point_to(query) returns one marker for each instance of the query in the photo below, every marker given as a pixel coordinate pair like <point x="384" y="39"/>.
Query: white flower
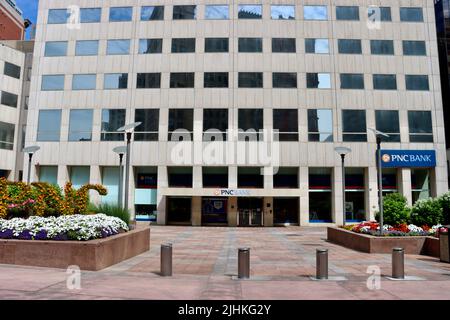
<point x="414" y="228"/>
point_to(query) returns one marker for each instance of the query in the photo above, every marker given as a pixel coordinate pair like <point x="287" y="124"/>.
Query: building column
<point x="232" y="177"/>
<point x="196" y="211"/>
<point x="404" y="184"/>
<point x="161" y="217"/>
<point x="268" y="211"/>
<point x="371" y="193"/>
<point x="95" y="177"/>
<point x="62" y="175"/>
<point x="337" y="196"/>
<point x="232" y="211"/>
<point x="303" y="176"/>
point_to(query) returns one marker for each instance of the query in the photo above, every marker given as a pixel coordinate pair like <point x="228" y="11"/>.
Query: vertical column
<point x="197" y="177"/>
<point x="404" y="184"/>
<point x="232" y="212"/>
<point x="131" y="188"/>
<point x="196" y="211"/>
<point x="303" y="176"/>
<point x="268" y="211"/>
<point x="371" y="192"/>
<point x="63" y="175"/>
<point x="232" y="177"/>
<point x="337" y="196"/>
<point x="160" y="198"/>
<point x="95" y="177"/>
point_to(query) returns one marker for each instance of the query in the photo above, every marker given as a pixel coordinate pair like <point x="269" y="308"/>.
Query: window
<point x="84" y="81"/>
<point x="52" y="82"/>
<point x="384" y="47"/>
<point x="112" y="119"/>
<point x="420" y="126"/>
<point x="249" y="11"/>
<point x="250" y="80"/>
<point x="352" y="80"/>
<point x="9" y="99"/>
<point x="48" y="174"/>
<point x="214" y="177"/>
<point x="284" y="80"/>
<point x="286" y="122"/>
<point x="80" y="125"/>
<point x="183" y="45"/>
<point x="414" y="48"/>
<point x="183" y="120"/>
<point x="215" y="124"/>
<point x="317" y="46"/>
<point x="420" y="184"/>
<point x="282" y="12"/>
<point x="349" y="46"/>
<point x="250" y="177"/>
<point x="320" y="125"/>
<point x="354" y="125"/>
<point x="347" y="13"/>
<point x="411" y="14"/>
<point x="55" y="49"/>
<point x="182" y="80"/>
<point x="355" y="209"/>
<point x="148" y="46"/>
<point x="86" y="48"/>
<point x="119" y="14"/>
<point x="286" y="177"/>
<point x="49" y="125"/>
<point x="216" y="44"/>
<point x="90" y="15"/>
<point x="184" y="12"/>
<point x="283" y="45"/>
<point x="11" y="70"/>
<point x="315" y="13"/>
<point x="286" y="210"/>
<point x="116" y="81"/>
<point x="148" y="130"/>
<point x="152" y="13"/>
<point x="320" y="195"/>
<point x="6" y="136"/>
<point x="216" y="80"/>
<point x="250" y="45"/>
<point x="384" y="82"/>
<point x="318" y="80"/>
<point x="216" y="12"/>
<point x="148" y="80"/>
<point x="384" y="12"/>
<point x="179" y="177"/>
<point x="58" y="16"/>
<point x="250" y="123"/>
<point x="417" y="82"/>
<point x="387" y="121"/>
<point x="118" y="47"/>
<point x="79" y="176"/>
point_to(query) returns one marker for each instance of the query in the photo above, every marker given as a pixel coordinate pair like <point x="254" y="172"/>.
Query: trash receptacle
<point x="443" y="244"/>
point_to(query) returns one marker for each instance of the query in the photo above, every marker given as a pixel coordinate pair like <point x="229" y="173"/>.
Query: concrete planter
<point x="444" y="247"/>
<point x="88" y="255"/>
<point x="371" y="244"/>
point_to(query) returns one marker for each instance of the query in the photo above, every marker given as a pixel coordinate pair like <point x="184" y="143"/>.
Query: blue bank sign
<point x="408" y="158"/>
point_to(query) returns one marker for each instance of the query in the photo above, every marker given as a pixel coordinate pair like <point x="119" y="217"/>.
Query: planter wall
<point x="88" y="255"/>
<point x="372" y="244"/>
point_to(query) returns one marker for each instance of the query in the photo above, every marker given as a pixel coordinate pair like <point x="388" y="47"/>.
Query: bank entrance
<point x="250" y="212"/>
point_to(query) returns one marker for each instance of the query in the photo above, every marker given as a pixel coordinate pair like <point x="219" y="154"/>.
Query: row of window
<point x="250" y="122"/>
<point x="222" y="12"/>
<point x="214" y="45"/>
<point x="221" y="80"/>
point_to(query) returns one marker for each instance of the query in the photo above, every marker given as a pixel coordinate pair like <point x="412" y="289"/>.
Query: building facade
<point x="12" y="24"/>
<point x="310" y="75"/>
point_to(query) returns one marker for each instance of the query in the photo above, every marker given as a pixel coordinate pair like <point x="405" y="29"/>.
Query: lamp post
<point x="379" y="135"/>
<point x="128" y="129"/>
<point x="120" y="151"/>
<point x="30" y="150"/>
<point x="342" y="151"/>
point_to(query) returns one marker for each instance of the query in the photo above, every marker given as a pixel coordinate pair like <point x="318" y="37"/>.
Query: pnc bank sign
<point x="408" y="158"/>
<point x="232" y="192"/>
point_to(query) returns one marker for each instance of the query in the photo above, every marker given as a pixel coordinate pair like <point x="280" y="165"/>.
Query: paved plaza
<point x="205" y="267"/>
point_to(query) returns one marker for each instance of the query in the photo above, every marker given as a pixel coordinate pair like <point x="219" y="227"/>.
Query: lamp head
<point x="120" y="149"/>
<point x="129" y="127"/>
<point x="342" y="150"/>
<point x="378" y="132"/>
<point x="31" y="149"/>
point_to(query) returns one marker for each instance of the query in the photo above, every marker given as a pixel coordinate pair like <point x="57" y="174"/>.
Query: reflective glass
<point x="112" y="119"/>
<point x="411" y="14"/>
<point x="86" y="48"/>
<point x="115" y="47"/>
<point x="414" y="48"/>
<point x="249" y="11"/>
<point x="58" y="16"/>
<point x="282" y="12"/>
<point x="216" y="12"/>
<point x="55" y="48"/>
<point x="119" y="14"/>
<point x="116" y="81"/>
<point x="315" y="13"/>
<point x="49" y="125"/>
<point x="352" y="80"/>
<point x="417" y="82"/>
<point x="320" y="125"/>
<point x="318" y="80"/>
<point x="52" y="82"/>
<point x="184" y="12"/>
<point x="147" y="46"/>
<point x="152" y="13"/>
<point x="90" y="15"/>
<point x="6" y="135"/>
<point x="384" y="47"/>
<point x="317" y="46"/>
<point x="216" y="44"/>
<point x="84" y="81"/>
<point x="80" y="125"/>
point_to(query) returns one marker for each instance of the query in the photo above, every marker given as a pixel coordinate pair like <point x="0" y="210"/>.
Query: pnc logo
<point x="386" y="158"/>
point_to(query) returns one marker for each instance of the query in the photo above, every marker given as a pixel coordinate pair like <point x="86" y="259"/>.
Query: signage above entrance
<point x="408" y="158"/>
<point x="232" y="192"/>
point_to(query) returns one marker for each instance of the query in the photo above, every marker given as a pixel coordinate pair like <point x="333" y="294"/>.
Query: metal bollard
<point x="244" y="263"/>
<point x="321" y="263"/>
<point x="166" y="260"/>
<point x="398" y="263"/>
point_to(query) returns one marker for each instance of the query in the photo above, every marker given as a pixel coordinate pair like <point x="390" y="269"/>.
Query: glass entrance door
<point x="250" y="212"/>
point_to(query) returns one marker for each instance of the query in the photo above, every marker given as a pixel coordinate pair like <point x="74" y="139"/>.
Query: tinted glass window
<point x="90" y="15"/>
<point x="112" y="119"/>
<point x="379" y="13"/>
<point x="118" y="14"/>
<point x="116" y="81"/>
<point x="216" y="80"/>
<point x="80" y="125"/>
<point x="216" y="12"/>
<point x="349" y="46"/>
<point x="318" y="80"/>
<point x="315" y="13"/>
<point x="148" y="80"/>
<point x="282" y="12"/>
<point x="216" y="44"/>
<point x="284" y="80"/>
<point x="86" y="48"/>
<point x="148" y="130"/>
<point x="411" y="14"/>
<point x="250" y="80"/>
<point x="250" y="44"/>
<point x="250" y="123"/>
<point x="382" y="47"/>
<point x="354" y="125"/>
<point x="387" y="121"/>
<point x="9" y="99"/>
<point x="286" y="122"/>
<point x="183" y="45"/>
<point x="320" y="125"/>
<point x="215" y="124"/>
<point x="250" y="11"/>
<point x="384" y="82"/>
<point x="283" y="45"/>
<point x="414" y="48"/>
<point x="184" y="12"/>
<point x="417" y="82"/>
<point x="57" y="16"/>
<point x="11" y="70"/>
<point x="317" y="46"/>
<point x="118" y="47"/>
<point x="182" y="80"/>
<point x="52" y="82"/>
<point x="152" y="13"/>
<point x="6" y="136"/>
<point x="420" y="126"/>
<point x="352" y="80"/>
<point x="147" y="46"/>
<point x="49" y="125"/>
<point x="180" y="119"/>
<point x="347" y="13"/>
<point x="84" y="81"/>
<point x="55" y="48"/>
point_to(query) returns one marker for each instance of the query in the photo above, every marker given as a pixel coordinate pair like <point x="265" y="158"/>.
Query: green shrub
<point x="445" y="204"/>
<point x="111" y="210"/>
<point x="395" y="209"/>
<point x="427" y="212"/>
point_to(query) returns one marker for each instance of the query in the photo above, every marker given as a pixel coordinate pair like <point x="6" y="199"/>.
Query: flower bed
<point x="74" y="227"/>
<point x="401" y="230"/>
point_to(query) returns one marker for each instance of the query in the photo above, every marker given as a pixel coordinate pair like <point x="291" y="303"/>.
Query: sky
<point x="29" y="8"/>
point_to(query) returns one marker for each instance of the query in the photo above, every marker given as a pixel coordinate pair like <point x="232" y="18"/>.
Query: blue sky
<point x="29" y="8"/>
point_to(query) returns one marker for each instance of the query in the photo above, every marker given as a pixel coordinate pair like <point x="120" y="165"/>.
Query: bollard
<point x="244" y="263"/>
<point x="398" y="263"/>
<point x="166" y="260"/>
<point x="321" y="263"/>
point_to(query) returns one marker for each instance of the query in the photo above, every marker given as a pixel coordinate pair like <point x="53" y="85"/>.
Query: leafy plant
<point x="445" y="204"/>
<point x="395" y="209"/>
<point x="427" y="212"/>
<point x="112" y="211"/>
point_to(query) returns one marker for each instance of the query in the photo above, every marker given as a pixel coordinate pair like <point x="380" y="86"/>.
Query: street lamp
<point x="379" y="135"/>
<point x="342" y="151"/>
<point x="120" y="151"/>
<point x="128" y="129"/>
<point x="30" y="150"/>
